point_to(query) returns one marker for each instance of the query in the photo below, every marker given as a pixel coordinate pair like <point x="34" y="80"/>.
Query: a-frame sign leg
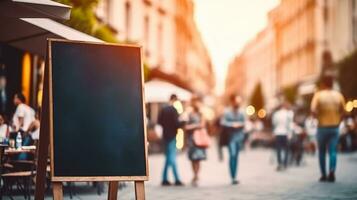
<point x="139" y="190"/>
<point x="57" y="188"/>
<point x="113" y="190"/>
<point x="44" y="138"/>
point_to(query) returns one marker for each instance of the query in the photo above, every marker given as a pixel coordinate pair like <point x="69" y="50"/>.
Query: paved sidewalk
<point x="258" y="177"/>
<point x="259" y="180"/>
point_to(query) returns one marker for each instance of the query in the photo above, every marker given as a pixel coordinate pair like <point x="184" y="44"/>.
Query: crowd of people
<point x="320" y="131"/>
<point x="23" y="128"/>
<point x="233" y="120"/>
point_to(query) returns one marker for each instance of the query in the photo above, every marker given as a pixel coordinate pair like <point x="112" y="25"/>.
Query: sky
<point x="226" y="26"/>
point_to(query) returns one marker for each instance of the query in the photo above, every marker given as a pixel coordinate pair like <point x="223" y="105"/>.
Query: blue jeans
<point x="234" y="145"/>
<point x="327" y="137"/>
<point x="282" y="147"/>
<point x="170" y="154"/>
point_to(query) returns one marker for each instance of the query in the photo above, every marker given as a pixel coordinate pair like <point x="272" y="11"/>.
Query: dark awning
<point x="34" y="9"/>
<point x="31" y="34"/>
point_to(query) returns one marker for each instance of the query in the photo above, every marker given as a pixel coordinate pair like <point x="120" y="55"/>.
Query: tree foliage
<point x="257" y="98"/>
<point x="290" y="93"/>
<point x="347" y="76"/>
<point x="83" y="18"/>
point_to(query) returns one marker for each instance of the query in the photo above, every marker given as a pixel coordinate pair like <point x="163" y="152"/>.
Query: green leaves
<point x="347" y="76"/>
<point x="257" y="98"/>
<point x="83" y="18"/>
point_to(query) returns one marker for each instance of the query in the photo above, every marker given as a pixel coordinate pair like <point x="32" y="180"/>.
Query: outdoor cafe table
<point x="25" y="149"/>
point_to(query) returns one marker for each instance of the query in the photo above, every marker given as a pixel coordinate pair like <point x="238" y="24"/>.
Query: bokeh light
<point x="262" y="113"/>
<point x="178" y="106"/>
<point x="349" y="106"/>
<point x="250" y="110"/>
<point x="180" y="139"/>
<point x="355" y="103"/>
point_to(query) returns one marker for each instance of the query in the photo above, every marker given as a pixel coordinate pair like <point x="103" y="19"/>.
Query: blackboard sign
<point x="96" y="112"/>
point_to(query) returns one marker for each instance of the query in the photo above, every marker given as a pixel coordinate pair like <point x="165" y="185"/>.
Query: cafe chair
<point x="19" y="173"/>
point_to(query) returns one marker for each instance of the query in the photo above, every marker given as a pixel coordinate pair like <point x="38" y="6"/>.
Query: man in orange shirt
<point x="328" y="106"/>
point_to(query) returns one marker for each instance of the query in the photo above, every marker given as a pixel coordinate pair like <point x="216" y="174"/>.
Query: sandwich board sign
<point x="93" y="116"/>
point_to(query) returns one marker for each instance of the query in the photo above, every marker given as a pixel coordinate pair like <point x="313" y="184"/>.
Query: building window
<point x="354" y="21"/>
<point x="146" y="35"/>
<point x="102" y="11"/>
<point x="127" y="19"/>
<point x="109" y="11"/>
<point x="159" y="42"/>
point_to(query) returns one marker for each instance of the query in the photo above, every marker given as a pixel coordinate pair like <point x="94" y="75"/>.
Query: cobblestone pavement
<point x="257" y="174"/>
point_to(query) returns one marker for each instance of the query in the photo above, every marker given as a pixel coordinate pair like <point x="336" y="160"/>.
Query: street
<point x="259" y="180"/>
<point x="101" y="89"/>
<point x="257" y="174"/>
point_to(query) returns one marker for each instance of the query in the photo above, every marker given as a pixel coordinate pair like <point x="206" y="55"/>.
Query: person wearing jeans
<point x="233" y="121"/>
<point x="327" y="138"/>
<point x="169" y="120"/>
<point x="282" y="122"/>
<point x="234" y="146"/>
<point x="282" y="148"/>
<point x="328" y="106"/>
<point x="170" y="154"/>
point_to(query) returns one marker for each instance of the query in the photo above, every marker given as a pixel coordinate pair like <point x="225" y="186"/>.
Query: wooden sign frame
<point x="47" y="135"/>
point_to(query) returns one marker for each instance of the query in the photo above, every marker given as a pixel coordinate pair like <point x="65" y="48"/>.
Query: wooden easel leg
<point x="57" y="191"/>
<point x="113" y="190"/>
<point x="139" y="190"/>
<point x="44" y="141"/>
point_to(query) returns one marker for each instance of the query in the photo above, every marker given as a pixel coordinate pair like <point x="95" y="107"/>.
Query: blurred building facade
<point x="193" y="59"/>
<point x="236" y="78"/>
<point x="300" y="41"/>
<point x="288" y="52"/>
<point x="254" y="66"/>
<point x="168" y="34"/>
<point x="342" y="27"/>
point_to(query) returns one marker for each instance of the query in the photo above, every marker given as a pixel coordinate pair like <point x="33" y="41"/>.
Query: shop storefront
<point x="20" y="71"/>
<point x="26" y="26"/>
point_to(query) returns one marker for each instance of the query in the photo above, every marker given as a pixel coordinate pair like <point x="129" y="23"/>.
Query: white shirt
<point x="283" y="122"/>
<point x="3" y="130"/>
<point x="36" y="134"/>
<point x="248" y="126"/>
<point x="27" y="113"/>
<point x="311" y="126"/>
<point x="258" y="125"/>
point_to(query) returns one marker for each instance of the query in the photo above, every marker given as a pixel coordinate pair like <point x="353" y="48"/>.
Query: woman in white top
<point x="34" y="128"/>
<point x="4" y="129"/>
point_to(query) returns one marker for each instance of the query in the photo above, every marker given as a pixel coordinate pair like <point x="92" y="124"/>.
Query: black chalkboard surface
<point x="97" y="112"/>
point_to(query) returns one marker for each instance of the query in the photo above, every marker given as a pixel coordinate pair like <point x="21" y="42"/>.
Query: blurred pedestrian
<point x="222" y="139"/>
<point x="4" y="129"/>
<point x="347" y="135"/>
<point x="34" y="128"/>
<point x="310" y="126"/>
<point x="169" y="120"/>
<point x="233" y="121"/>
<point x="328" y="105"/>
<point x="249" y="130"/>
<point x="296" y="144"/>
<point x="23" y="115"/>
<point x="5" y="98"/>
<point x="194" y="127"/>
<point x="282" y="122"/>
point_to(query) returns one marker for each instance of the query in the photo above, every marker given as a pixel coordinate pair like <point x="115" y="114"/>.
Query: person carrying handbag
<point x="198" y="139"/>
